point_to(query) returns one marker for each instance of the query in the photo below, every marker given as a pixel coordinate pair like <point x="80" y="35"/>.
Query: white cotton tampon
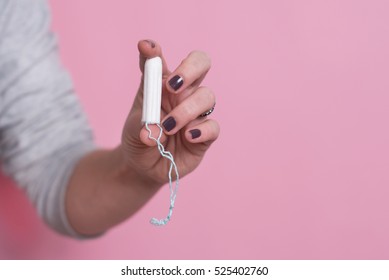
<point x="151" y="114"/>
<point x="152" y="91"/>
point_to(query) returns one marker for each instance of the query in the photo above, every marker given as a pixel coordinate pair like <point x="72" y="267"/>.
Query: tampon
<point x="151" y="114"/>
<point x="152" y="91"/>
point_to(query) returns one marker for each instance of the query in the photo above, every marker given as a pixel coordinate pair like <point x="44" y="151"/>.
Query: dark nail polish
<point x="196" y="133"/>
<point x="152" y="44"/>
<point x="176" y="82"/>
<point x="169" y="123"/>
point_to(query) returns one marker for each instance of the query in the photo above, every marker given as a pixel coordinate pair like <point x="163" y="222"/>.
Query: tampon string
<point x="152" y="95"/>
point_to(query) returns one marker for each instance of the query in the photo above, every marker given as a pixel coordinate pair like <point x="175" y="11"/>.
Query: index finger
<point x="190" y="72"/>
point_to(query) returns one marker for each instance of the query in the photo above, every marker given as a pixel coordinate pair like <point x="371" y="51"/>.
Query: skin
<point x="108" y="186"/>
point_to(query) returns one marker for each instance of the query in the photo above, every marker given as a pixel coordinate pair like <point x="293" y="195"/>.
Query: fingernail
<point x="152" y="44"/>
<point x="176" y="82"/>
<point x="196" y="133"/>
<point x="169" y="123"/>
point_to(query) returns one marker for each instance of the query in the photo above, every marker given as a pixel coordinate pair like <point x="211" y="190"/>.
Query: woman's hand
<point x="186" y="135"/>
<point x="108" y="186"/>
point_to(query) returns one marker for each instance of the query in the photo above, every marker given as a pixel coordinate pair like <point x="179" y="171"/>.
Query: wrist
<point x="104" y="191"/>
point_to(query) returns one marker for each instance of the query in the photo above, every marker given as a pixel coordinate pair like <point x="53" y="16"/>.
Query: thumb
<point x="149" y="49"/>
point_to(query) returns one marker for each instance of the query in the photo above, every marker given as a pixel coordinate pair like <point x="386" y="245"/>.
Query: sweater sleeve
<point x="43" y="130"/>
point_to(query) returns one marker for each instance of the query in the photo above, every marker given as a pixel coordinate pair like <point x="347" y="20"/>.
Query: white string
<point x="173" y="190"/>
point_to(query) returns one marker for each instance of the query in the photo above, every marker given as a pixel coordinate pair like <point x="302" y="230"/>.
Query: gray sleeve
<point x="43" y="130"/>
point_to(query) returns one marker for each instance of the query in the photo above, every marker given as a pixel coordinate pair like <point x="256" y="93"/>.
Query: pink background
<point x="301" y="169"/>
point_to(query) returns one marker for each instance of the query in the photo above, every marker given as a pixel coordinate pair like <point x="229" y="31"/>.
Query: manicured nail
<point x="152" y="44"/>
<point x="169" y="123"/>
<point x="176" y="82"/>
<point x="196" y="133"/>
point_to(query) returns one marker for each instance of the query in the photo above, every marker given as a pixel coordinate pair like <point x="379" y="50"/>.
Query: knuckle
<point x="208" y="94"/>
<point x="201" y="57"/>
<point x="206" y="58"/>
<point x="188" y="110"/>
<point x="215" y="128"/>
<point x="197" y="53"/>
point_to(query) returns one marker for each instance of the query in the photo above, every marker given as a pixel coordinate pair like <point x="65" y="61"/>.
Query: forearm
<point x="103" y="192"/>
